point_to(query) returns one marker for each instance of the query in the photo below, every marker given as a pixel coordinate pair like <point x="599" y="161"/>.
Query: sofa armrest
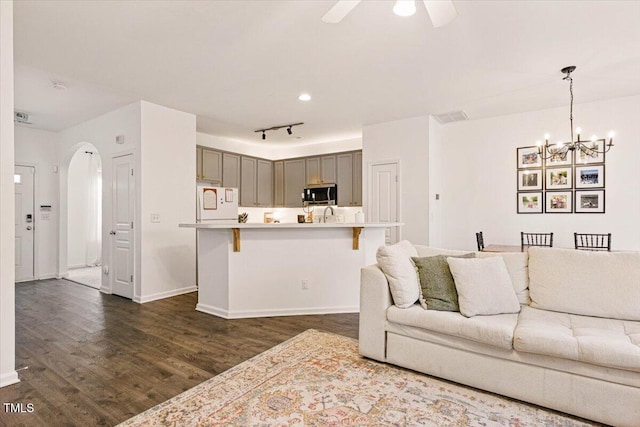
<point x="375" y="299"/>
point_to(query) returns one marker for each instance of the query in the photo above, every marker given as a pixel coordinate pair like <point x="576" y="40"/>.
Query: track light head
<point x="289" y="131"/>
<point x="264" y="135"/>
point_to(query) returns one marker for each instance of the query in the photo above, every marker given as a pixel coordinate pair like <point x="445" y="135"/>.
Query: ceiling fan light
<point x="405" y="7"/>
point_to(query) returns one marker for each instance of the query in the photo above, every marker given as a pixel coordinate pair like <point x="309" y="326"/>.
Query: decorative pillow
<point x="395" y="263"/>
<point x="484" y="286"/>
<point x="438" y="289"/>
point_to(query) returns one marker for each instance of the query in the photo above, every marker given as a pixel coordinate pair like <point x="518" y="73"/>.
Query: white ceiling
<point x="240" y="65"/>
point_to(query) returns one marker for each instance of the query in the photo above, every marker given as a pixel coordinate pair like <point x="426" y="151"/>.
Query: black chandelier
<point x="588" y="148"/>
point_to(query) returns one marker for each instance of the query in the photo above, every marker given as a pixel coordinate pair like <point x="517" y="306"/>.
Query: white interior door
<point x="122" y="232"/>
<point x="384" y="197"/>
<point x="25" y="222"/>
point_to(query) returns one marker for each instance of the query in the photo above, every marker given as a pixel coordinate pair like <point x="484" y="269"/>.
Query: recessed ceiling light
<point x="304" y="97"/>
<point x="405" y="7"/>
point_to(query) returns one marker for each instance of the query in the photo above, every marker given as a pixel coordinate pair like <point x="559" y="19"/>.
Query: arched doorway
<point x="84" y="216"/>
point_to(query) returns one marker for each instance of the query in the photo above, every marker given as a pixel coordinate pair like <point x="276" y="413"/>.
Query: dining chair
<point x="535" y="239"/>
<point x="480" y="241"/>
<point x="592" y="242"/>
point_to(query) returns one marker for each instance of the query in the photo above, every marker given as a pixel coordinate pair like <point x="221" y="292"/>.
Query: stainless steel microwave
<point x="320" y="194"/>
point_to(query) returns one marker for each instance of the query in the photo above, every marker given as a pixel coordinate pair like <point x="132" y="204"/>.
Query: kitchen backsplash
<point x="291" y="214"/>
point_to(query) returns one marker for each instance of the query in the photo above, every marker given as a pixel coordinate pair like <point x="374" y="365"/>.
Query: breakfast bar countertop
<point x="304" y="225"/>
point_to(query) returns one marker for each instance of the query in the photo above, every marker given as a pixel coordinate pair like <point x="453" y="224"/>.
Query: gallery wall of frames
<point x="565" y="182"/>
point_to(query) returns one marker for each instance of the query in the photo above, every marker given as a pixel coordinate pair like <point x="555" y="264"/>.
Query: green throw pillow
<point x="438" y="288"/>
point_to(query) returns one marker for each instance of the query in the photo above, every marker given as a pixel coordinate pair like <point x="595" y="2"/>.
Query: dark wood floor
<point x="96" y="359"/>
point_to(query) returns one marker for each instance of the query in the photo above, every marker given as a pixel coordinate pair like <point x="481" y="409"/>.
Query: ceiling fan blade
<point x="339" y="11"/>
<point x="441" y="12"/>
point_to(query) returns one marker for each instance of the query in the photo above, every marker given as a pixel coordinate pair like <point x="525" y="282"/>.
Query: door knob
<point x="113" y="233"/>
<point x="28" y="227"/>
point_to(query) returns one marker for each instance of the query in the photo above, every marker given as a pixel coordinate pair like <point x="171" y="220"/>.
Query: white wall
<point x="8" y="374"/>
<point x="405" y="140"/>
<point x="168" y="156"/>
<point x="34" y="147"/>
<point x="478" y="177"/>
<point x="101" y="132"/>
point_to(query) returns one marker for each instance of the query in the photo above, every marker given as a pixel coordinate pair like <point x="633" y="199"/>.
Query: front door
<point x="384" y="203"/>
<point x="25" y="222"/>
<point x="122" y="232"/>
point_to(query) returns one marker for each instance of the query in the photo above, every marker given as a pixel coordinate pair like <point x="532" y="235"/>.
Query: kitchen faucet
<point x="324" y="215"/>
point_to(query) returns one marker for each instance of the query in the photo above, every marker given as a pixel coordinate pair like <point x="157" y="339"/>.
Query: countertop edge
<point x="277" y="226"/>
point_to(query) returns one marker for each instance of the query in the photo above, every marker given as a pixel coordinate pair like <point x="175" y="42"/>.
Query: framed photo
<point x="590" y="176"/>
<point x="587" y="154"/>
<point x="530" y="202"/>
<point x="558" y="202"/>
<point x="528" y="157"/>
<point x="589" y="201"/>
<point x="559" y="178"/>
<point x="530" y="179"/>
<point x="558" y="155"/>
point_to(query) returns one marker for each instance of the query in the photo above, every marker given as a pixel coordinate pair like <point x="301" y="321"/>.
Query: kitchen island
<point x="261" y="270"/>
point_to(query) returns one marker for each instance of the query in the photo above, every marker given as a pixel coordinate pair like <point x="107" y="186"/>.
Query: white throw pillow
<point x="484" y="286"/>
<point x="395" y="263"/>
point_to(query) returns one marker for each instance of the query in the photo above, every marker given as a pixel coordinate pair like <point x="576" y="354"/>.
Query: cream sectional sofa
<point x="574" y="346"/>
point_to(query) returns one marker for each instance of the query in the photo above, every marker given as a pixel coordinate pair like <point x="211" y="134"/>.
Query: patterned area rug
<point x="319" y="379"/>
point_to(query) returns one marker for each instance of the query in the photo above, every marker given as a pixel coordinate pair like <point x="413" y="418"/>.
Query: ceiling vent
<point x="21" y="118"/>
<point x="453" y="116"/>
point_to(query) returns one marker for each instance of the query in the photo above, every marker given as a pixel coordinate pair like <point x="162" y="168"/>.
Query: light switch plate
<point x="155" y="217"/>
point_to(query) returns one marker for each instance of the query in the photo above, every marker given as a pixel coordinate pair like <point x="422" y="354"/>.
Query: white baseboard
<point x="9" y="378"/>
<point x="163" y="295"/>
<point x="276" y="312"/>
<point x="47" y="277"/>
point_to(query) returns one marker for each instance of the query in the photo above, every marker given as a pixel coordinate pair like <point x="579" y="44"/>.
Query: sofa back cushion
<point x="601" y="284"/>
<point x="516" y="263"/>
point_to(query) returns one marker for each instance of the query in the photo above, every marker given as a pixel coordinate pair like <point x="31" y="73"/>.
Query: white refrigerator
<point x="217" y="204"/>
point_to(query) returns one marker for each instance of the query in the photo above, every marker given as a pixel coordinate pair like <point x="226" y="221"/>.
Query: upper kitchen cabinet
<point x="231" y="170"/>
<point x="198" y="163"/>
<point x="294" y="182"/>
<point x="256" y="182"/>
<point x="278" y="183"/>
<point x="349" y="174"/>
<point x="211" y="166"/>
<point x="357" y="178"/>
<point x="321" y="170"/>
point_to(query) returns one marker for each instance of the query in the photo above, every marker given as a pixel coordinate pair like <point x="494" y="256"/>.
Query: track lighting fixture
<point x="288" y="126"/>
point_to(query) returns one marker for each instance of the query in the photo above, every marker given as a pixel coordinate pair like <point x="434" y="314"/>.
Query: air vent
<point x="453" y="116"/>
<point x="21" y="117"/>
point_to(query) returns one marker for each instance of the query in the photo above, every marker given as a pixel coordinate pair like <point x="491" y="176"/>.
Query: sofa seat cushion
<point x="605" y="342"/>
<point x="494" y="330"/>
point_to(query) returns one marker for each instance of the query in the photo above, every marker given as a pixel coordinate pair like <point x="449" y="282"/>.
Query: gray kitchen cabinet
<point x="256" y="182"/>
<point x="357" y="178"/>
<point x="294" y="182"/>
<point x="321" y="170"/>
<point x="345" y="179"/>
<point x="231" y="170"/>
<point x="264" y="183"/>
<point x="198" y="163"/>
<point x="248" y="176"/>
<point x="278" y="183"/>
<point x="349" y="179"/>
<point x="211" y="166"/>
